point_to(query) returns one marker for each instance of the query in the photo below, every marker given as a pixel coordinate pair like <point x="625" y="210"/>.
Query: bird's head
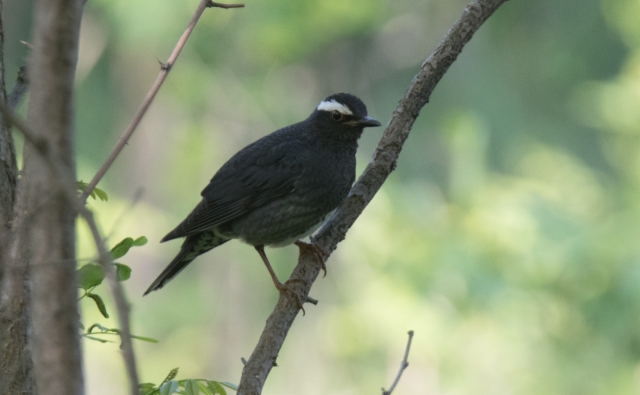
<point x="344" y="114"/>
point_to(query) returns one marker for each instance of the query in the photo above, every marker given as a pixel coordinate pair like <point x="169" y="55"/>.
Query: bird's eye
<point x="337" y="115"/>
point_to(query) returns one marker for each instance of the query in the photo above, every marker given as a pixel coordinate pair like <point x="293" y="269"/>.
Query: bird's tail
<point x="193" y="246"/>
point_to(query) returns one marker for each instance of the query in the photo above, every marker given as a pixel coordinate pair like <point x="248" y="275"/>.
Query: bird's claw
<point x="318" y="251"/>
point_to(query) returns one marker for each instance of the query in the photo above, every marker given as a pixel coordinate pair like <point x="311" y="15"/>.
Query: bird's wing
<point x="255" y="176"/>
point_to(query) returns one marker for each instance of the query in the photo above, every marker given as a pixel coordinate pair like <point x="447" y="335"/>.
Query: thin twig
<point x="225" y="6"/>
<point x="106" y="260"/>
<point x="255" y="372"/>
<point x="403" y="366"/>
<point x="164" y="71"/>
<point x="67" y="186"/>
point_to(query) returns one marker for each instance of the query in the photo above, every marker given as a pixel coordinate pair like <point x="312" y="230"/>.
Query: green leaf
<point x="140" y="241"/>
<point x="81" y="325"/>
<point x="123" y="247"/>
<point x="191" y="387"/>
<point x="216" y="388"/>
<point x="172" y="375"/>
<point x="145" y="339"/>
<point x="229" y="385"/>
<point x="100" y="304"/>
<point x="169" y="387"/>
<point x="147" y="388"/>
<point x="81" y="185"/>
<point x="90" y="275"/>
<point x="101" y="194"/>
<point x="123" y="271"/>
<point x="211" y="386"/>
<point x="205" y="389"/>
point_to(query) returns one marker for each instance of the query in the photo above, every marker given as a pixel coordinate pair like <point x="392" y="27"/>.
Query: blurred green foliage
<point x="507" y="238"/>
<point x="188" y="386"/>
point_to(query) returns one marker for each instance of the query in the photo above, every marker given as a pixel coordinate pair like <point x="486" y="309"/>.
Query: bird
<point x="278" y="189"/>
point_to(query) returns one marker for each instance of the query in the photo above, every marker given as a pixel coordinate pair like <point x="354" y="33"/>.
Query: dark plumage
<point x="278" y="189"/>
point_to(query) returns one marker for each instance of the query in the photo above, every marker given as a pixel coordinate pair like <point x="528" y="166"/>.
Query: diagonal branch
<point x="165" y="68"/>
<point x="384" y="159"/>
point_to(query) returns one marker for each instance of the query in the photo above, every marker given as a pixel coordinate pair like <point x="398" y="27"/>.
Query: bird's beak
<point x="367" y="122"/>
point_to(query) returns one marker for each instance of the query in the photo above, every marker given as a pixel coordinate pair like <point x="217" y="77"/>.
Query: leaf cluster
<point x="92" y="274"/>
<point x="96" y="193"/>
<point x="187" y="386"/>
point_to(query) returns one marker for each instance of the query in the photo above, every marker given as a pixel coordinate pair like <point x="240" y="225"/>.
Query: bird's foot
<point x="282" y="288"/>
<point x="318" y="251"/>
<point x="291" y="293"/>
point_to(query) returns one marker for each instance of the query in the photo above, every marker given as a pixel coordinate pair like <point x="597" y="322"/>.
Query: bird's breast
<point x="324" y="182"/>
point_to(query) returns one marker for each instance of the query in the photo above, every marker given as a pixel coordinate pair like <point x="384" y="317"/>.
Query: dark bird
<point x="278" y="189"/>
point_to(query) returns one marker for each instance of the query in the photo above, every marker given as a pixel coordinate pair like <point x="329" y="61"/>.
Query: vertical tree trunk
<point x="49" y="219"/>
<point x="16" y="368"/>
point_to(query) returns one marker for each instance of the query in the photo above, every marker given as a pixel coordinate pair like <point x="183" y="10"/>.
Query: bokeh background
<point x="508" y="238"/>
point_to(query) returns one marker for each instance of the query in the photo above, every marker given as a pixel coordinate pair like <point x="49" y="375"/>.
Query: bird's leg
<point x="319" y="252"/>
<point x="283" y="288"/>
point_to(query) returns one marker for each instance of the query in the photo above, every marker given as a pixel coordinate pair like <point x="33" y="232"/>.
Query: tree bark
<point x="16" y="368"/>
<point x="48" y="220"/>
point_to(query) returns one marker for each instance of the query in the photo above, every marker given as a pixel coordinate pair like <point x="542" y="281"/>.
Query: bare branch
<point x="257" y="368"/>
<point x="67" y="186"/>
<point x="225" y="6"/>
<point x="146" y="102"/>
<point x="403" y="366"/>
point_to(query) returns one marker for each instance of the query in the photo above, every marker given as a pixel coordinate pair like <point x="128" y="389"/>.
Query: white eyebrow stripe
<point x="334" y="105"/>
